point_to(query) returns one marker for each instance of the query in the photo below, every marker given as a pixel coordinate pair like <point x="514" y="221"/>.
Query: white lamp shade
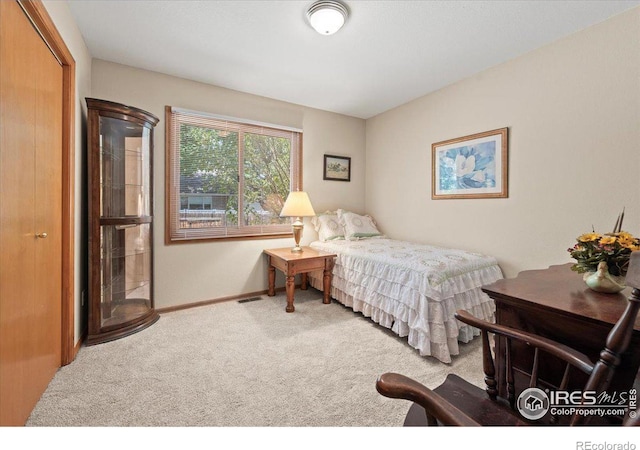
<point x="327" y="17"/>
<point x="297" y="205"/>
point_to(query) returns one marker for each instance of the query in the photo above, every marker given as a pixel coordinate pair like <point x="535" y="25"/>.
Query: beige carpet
<point x="245" y="364"/>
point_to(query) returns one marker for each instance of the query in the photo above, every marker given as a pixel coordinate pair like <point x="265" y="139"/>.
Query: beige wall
<point x="573" y="113"/>
<point x="62" y="18"/>
<point x="187" y="273"/>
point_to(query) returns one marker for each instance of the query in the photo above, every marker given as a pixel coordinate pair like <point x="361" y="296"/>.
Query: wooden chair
<point x="458" y="402"/>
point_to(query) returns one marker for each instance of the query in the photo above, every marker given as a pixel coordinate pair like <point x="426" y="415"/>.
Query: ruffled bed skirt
<point x="426" y="320"/>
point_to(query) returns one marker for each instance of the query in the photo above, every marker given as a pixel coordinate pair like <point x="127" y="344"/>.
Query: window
<point x="228" y="178"/>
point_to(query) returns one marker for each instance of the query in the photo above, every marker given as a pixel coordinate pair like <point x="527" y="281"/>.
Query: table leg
<point x="272" y="280"/>
<point x="290" y="287"/>
<point x="303" y="281"/>
<point x="327" y="276"/>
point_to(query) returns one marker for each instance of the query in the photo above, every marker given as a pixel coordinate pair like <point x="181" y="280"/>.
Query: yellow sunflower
<point x="607" y="240"/>
<point x="589" y="237"/>
<point x="628" y="242"/>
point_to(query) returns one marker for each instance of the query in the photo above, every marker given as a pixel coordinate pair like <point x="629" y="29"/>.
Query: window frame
<point x="173" y="233"/>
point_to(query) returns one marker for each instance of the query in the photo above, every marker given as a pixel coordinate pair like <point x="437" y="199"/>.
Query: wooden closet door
<point x="30" y="215"/>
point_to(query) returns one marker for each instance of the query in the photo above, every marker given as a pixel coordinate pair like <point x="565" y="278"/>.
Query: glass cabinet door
<point x="125" y="209"/>
<point x="125" y="178"/>
<point x="121" y="220"/>
<point x="126" y="272"/>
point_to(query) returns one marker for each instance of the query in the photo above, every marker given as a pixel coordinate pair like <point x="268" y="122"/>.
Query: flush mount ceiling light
<point x="327" y="17"/>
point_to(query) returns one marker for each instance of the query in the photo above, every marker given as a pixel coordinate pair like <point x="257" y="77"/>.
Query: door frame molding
<point x="39" y="17"/>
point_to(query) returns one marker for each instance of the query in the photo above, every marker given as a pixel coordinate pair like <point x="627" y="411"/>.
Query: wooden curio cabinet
<point x="120" y="208"/>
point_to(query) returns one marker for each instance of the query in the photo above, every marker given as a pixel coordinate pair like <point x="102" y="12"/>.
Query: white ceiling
<point x="388" y="53"/>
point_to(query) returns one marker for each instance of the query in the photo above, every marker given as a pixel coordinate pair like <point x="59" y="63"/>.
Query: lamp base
<point x="297" y="234"/>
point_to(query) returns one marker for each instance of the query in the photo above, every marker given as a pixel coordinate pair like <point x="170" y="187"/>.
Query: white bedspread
<point x="413" y="289"/>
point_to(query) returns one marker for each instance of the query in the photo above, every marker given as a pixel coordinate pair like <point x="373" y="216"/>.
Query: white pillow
<point x="328" y="226"/>
<point x="358" y="226"/>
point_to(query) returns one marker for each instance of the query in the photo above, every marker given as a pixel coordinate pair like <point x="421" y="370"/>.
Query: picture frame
<point x="337" y="168"/>
<point x="473" y="166"/>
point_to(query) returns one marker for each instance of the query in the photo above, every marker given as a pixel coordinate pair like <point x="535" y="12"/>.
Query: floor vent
<point x="250" y="299"/>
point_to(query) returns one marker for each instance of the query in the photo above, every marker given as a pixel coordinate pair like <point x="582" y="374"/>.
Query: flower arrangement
<point x="613" y="248"/>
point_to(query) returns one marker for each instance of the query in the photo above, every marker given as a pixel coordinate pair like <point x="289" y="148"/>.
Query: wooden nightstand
<point x="291" y="263"/>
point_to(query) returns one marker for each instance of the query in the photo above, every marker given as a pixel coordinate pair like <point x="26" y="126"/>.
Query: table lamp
<point x="297" y="205"/>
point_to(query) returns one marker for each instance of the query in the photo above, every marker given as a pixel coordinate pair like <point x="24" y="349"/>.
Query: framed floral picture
<point x="473" y="166"/>
<point x="337" y="168"/>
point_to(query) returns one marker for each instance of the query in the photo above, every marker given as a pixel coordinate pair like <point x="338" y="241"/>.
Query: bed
<point x="411" y="288"/>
